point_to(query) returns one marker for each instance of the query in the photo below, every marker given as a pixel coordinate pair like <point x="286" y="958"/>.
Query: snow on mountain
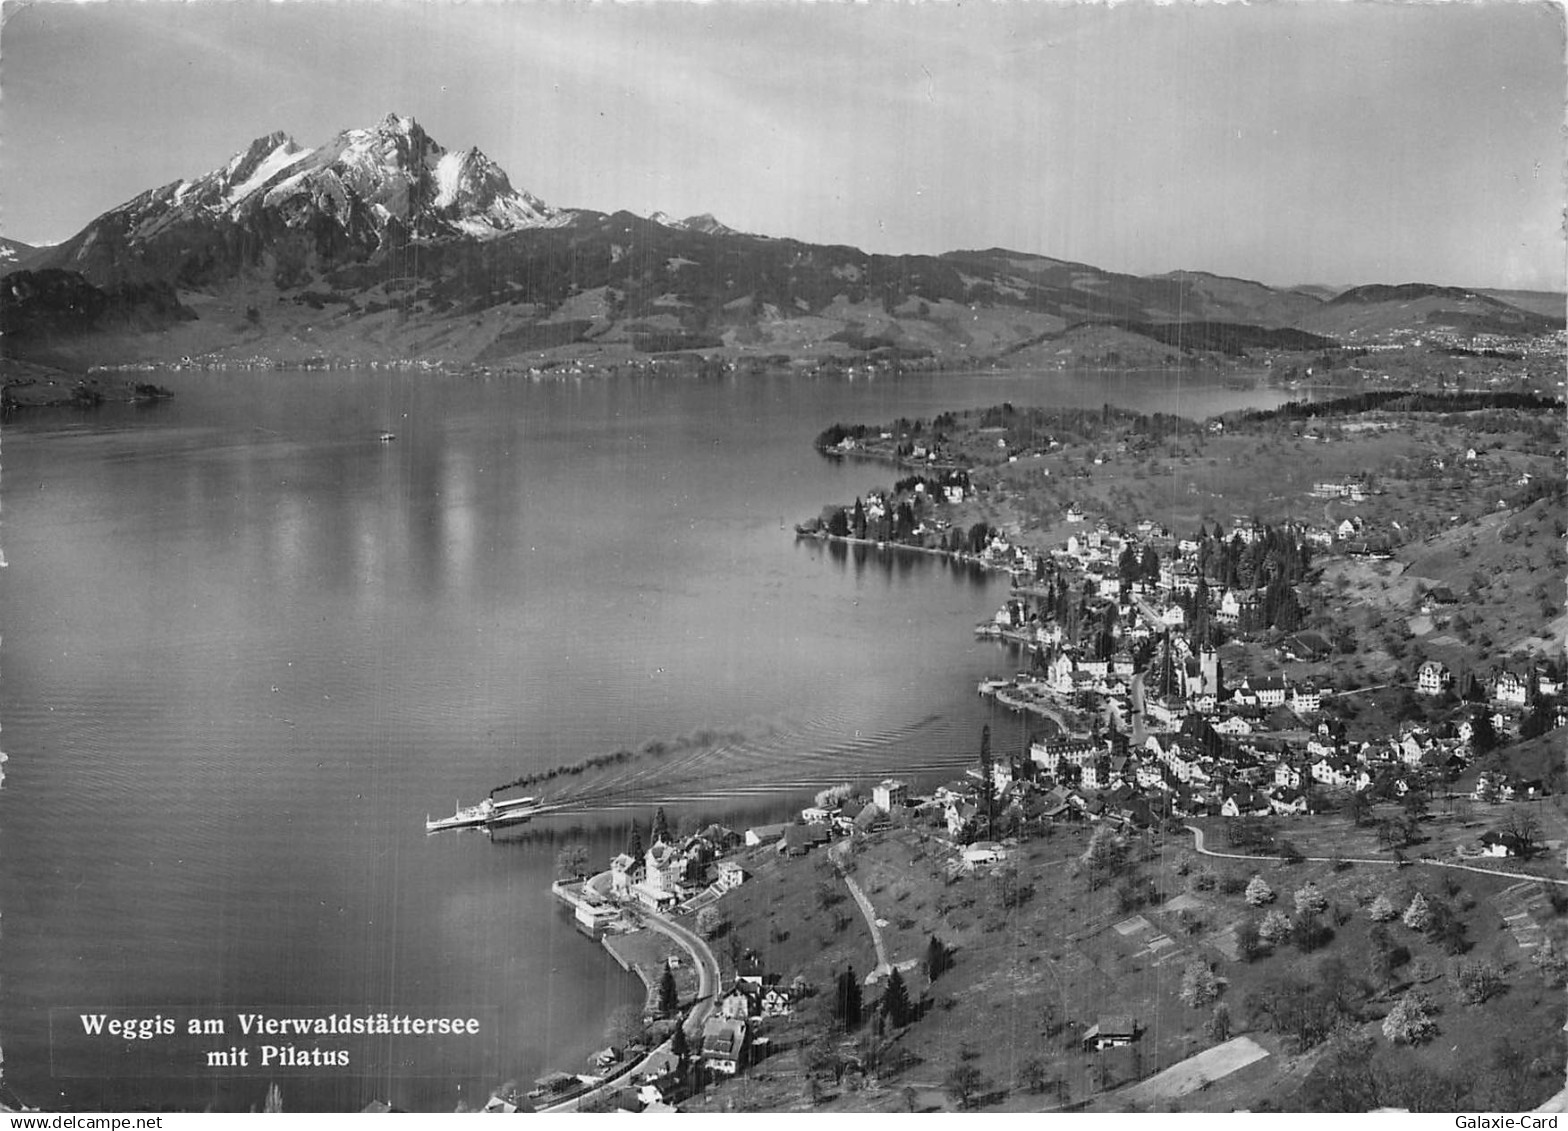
<point x="704" y="223"/>
<point x="481" y="199"/>
<point x="286" y="155"/>
<point x="365" y="181"/>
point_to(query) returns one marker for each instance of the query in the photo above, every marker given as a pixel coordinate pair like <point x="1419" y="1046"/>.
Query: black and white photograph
<point x="780" y="557"/>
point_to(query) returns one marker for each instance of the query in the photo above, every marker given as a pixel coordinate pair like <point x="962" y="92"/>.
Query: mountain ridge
<point x="385" y="234"/>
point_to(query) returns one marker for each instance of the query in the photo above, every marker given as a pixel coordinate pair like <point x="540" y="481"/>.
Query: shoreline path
<point x="708" y="981"/>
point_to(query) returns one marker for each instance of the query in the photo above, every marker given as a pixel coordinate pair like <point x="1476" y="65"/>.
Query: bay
<point x="246" y="647"/>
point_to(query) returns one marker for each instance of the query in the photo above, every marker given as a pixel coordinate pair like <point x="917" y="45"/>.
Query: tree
<point x="1549" y="959"/>
<point x="847" y="1000"/>
<point x="1308" y="932"/>
<point x="634" y="847"/>
<point x="828" y="894"/>
<point x="1128" y="566"/>
<point x="1357" y="806"/>
<point x="1248" y="943"/>
<point x="711" y="922"/>
<point x="1483" y="735"/>
<point x="1447" y="929"/>
<point x="678" y="1046"/>
<point x="625" y="1027"/>
<point x="1033" y="1076"/>
<point x="939" y="958"/>
<point x="669" y="997"/>
<point x="1149" y="565"/>
<point x="1198" y="986"/>
<point x="1410" y="1021"/>
<point x="1382" y="910"/>
<point x="1258" y="891"/>
<point x="661" y="827"/>
<point x="1475" y="982"/>
<point x="1418" y="916"/>
<point x="571" y="863"/>
<point x="834" y="796"/>
<point x="1415" y="805"/>
<point x="1383" y="957"/>
<point x="895" y="1000"/>
<point x="1524" y="826"/>
<point x="1343" y="1079"/>
<point x="1106" y="855"/>
<point x="1310" y="899"/>
<point x="1304" y="1011"/>
<point x="1275" y="928"/>
<point x="1218" y="1024"/>
<point x="1006" y="888"/>
<point x="962" y="1083"/>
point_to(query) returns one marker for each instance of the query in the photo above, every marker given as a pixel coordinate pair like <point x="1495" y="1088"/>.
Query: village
<point x="1171" y="734"/>
<point x="1325" y="701"/>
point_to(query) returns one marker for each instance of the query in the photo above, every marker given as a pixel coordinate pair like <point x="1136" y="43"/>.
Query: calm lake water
<point x="247" y="648"/>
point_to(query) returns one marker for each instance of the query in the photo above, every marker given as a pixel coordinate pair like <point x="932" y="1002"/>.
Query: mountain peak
<point x="704" y="223"/>
<point x="396" y="124"/>
<point x="364" y="190"/>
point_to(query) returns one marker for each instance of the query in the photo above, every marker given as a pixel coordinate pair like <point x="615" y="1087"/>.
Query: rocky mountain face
<point x="383" y="243"/>
<point x="276" y="205"/>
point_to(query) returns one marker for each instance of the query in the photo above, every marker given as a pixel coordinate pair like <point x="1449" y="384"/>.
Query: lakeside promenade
<point x="708" y="982"/>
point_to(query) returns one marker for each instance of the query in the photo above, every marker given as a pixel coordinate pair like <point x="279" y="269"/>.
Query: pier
<point x="592" y="912"/>
<point x="644" y="949"/>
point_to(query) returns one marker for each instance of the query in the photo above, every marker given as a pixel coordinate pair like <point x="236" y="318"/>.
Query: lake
<point x="247" y="648"/>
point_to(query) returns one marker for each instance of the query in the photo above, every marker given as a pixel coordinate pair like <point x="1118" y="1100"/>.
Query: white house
<point x="724" y="1044"/>
<point x="1432" y="678"/>
<point x="1331" y="771"/>
<point x="624" y="871"/>
<point x="1270" y="691"/>
<point x="890" y="795"/>
<point x="1509" y="690"/>
<point x="1230" y="608"/>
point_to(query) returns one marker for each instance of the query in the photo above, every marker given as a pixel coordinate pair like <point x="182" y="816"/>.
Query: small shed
<point x="1110" y="1032"/>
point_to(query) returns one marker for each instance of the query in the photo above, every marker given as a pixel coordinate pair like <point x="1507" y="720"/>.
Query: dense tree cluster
<point x="1398" y="400"/>
<point x="847" y="1003"/>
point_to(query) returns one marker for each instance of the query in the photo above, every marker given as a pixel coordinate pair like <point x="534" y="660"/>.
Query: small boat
<point x="387" y="437"/>
<point x="488" y="814"/>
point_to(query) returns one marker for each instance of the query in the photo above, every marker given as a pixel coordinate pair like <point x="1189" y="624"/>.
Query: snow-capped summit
<point x="706" y="222"/>
<point x="365" y="189"/>
<point x="477" y="194"/>
<point x="400" y="173"/>
<point x="703" y="223"/>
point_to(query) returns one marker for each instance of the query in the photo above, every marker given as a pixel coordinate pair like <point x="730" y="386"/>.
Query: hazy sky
<point x="1313" y="141"/>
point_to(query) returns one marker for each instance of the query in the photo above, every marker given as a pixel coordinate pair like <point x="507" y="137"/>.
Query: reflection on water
<point x="248" y="648"/>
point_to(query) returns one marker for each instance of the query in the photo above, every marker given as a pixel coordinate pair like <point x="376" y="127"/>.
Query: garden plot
<point x="1519" y="904"/>
<point x="1196" y="1072"/>
<point x="1157" y="945"/>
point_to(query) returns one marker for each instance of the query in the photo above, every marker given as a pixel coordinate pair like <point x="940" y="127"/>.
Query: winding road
<point x="708" y="983"/>
<point x="884" y="964"/>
